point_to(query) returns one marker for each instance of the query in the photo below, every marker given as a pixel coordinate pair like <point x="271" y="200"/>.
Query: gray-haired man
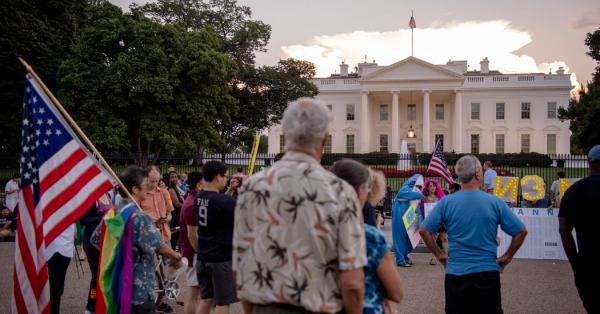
<point x="472" y="218"/>
<point x="299" y="242"/>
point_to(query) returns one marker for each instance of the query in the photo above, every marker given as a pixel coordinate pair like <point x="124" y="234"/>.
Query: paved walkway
<point x="528" y="286"/>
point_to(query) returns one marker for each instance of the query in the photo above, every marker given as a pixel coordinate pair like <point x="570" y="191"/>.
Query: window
<point x="499" y="143"/>
<point x="500" y="111"/>
<point x="551" y="110"/>
<point x="475" y="111"/>
<point x="281" y="143"/>
<point x="525" y="110"/>
<point x="474" y="143"/>
<point x="440" y="138"/>
<point x="328" y="144"/>
<point x="412" y="112"/>
<point x="551" y="144"/>
<point x="330" y="107"/>
<point x="412" y="147"/>
<point x="525" y="143"/>
<point x="383" y="143"/>
<point x="350" y="143"/>
<point x="350" y="112"/>
<point x="439" y="111"/>
<point x="383" y="112"/>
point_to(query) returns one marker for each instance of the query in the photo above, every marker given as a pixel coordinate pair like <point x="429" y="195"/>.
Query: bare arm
<point x="192" y="234"/>
<point x="175" y="199"/>
<point x="566" y="235"/>
<point x="166" y="251"/>
<point x="352" y="284"/>
<point x="388" y="274"/>
<point x="429" y="240"/>
<point x="514" y="246"/>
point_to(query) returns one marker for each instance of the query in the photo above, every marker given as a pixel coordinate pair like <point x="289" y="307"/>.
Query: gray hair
<point x="305" y="123"/>
<point x="466" y="168"/>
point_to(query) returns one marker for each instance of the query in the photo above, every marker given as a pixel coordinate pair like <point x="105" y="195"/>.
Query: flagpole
<point x="412" y="35"/>
<point x="76" y="128"/>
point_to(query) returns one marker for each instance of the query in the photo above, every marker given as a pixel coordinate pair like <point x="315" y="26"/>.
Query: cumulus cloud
<point x="497" y="40"/>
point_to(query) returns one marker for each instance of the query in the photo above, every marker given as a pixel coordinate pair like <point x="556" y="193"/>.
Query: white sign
<point x="428" y="208"/>
<point x="543" y="239"/>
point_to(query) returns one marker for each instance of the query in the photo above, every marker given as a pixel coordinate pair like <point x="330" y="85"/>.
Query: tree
<point x="140" y="87"/>
<point x="584" y="113"/>
<point x="262" y="93"/>
<point x="42" y="33"/>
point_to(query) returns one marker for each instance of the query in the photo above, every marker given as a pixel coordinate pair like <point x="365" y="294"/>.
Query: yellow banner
<point x="533" y="188"/>
<point x="254" y="153"/>
<point x="565" y="184"/>
<point x="506" y="188"/>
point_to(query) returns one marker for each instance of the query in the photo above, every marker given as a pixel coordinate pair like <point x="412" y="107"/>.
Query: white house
<point x="469" y="111"/>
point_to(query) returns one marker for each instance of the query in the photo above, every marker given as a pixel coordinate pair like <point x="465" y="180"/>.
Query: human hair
<point x="132" y="176"/>
<point x="488" y="164"/>
<point x="466" y="168"/>
<point x="561" y="174"/>
<point x="240" y="169"/>
<point x="351" y="171"/>
<point x="305" y="123"/>
<point x="193" y="179"/>
<point x="376" y="186"/>
<point x="455" y="186"/>
<point x="439" y="192"/>
<point x="153" y="168"/>
<point x="16" y="176"/>
<point x="212" y="169"/>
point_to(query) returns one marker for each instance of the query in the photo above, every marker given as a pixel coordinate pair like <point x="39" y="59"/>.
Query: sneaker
<point x="404" y="265"/>
<point x="164" y="308"/>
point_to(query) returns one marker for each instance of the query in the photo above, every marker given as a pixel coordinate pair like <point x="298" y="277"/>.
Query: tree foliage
<point x="41" y="32"/>
<point x="141" y="87"/>
<point x="262" y="92"/>
<point x="584" y="113"/>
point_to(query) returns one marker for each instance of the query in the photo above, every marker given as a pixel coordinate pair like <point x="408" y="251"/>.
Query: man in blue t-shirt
<point x="489" y="177"/>
<point x="472" y="218"/>
<point x="215" y="238"/>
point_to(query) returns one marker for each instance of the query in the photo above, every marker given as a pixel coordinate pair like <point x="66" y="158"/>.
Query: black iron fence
<point x="396" y="167"/>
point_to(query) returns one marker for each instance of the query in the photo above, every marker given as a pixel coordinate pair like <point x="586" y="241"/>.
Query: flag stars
<point x="46" y="143"/>
<point x="35" y="181"/>
<point x="25" y="121"/>
<point x="40" y="121"/>
<point x="42" y="111"/>
<point x="48" y="132"/>
<point x="50" y="121"/>
<point x="27" y="175"/>
<point x="34" y="170"/>
<point x="34" y="99"/>
<point x="25" y="148"/>
<point x="58" y="132"/>
<point x="38" y="132"/>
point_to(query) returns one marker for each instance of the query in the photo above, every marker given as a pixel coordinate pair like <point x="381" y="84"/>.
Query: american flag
<point x="59" y="183"/>
<point x="412" y="24"/>
<point x="438" y="165"/>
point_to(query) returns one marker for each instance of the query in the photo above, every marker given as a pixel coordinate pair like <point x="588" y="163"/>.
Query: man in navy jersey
<point x="215" y="234"/>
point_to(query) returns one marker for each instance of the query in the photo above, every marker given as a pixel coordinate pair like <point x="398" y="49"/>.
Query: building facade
<point x="468" y="111"/>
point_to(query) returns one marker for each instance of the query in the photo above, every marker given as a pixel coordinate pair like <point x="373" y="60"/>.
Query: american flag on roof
<point x="59" y="183"/>
<point x="412" y="24"/>
<point x="438" y="165"/>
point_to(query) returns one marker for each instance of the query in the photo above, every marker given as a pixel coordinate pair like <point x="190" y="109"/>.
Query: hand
<point x="443" y="258"/>
<point x="235" y="183"/>
<point x="390" y="307"/>
<point x="162" y="220"/>
<point x="176" y="263"/>
<point x="503" y="261"/>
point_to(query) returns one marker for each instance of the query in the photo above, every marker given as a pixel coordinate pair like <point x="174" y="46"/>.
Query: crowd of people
<point x="299" y="238"/>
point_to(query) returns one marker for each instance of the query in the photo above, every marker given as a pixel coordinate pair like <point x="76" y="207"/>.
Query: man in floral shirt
<point x="299" y="242"/>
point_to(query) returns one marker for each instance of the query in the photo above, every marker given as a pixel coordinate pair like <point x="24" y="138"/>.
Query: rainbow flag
<point x="115" y="270"/>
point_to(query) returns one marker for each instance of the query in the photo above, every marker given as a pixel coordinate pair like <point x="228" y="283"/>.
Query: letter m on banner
<point x="60" y="180"/>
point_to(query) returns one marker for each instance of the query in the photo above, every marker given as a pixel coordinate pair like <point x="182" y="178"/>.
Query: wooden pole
<point x="77" y="129"/>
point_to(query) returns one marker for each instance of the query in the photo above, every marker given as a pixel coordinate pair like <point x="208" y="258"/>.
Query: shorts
<point x="191" y="278"/>
<point x="216" y="282"/>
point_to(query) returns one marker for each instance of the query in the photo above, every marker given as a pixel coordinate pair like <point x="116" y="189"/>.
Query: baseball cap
<point x="594" y="153"/>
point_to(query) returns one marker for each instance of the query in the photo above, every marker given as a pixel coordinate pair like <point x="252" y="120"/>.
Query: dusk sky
<point x="516" y="36"/>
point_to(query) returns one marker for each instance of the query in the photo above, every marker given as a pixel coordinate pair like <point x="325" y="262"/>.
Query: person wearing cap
<point x="579" y="210"/>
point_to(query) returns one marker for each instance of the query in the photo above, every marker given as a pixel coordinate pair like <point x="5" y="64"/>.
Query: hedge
<point x="498" y="160"/>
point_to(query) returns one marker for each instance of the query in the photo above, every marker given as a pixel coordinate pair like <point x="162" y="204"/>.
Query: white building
<point x="469" y="111"/>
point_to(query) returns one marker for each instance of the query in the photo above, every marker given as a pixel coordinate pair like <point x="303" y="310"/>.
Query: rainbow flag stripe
<point x="115" y="279"/>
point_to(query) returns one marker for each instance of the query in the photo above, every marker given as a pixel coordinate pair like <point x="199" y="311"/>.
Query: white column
<point x="457" y="129"/>
<point x="364" y="123"/>
<point x="426" y="122"/>
<point x="395" y="123"/>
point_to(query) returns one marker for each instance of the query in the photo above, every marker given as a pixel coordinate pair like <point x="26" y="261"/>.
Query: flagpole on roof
<point x="412" y="34"/>
<point x="77" y="129"/>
